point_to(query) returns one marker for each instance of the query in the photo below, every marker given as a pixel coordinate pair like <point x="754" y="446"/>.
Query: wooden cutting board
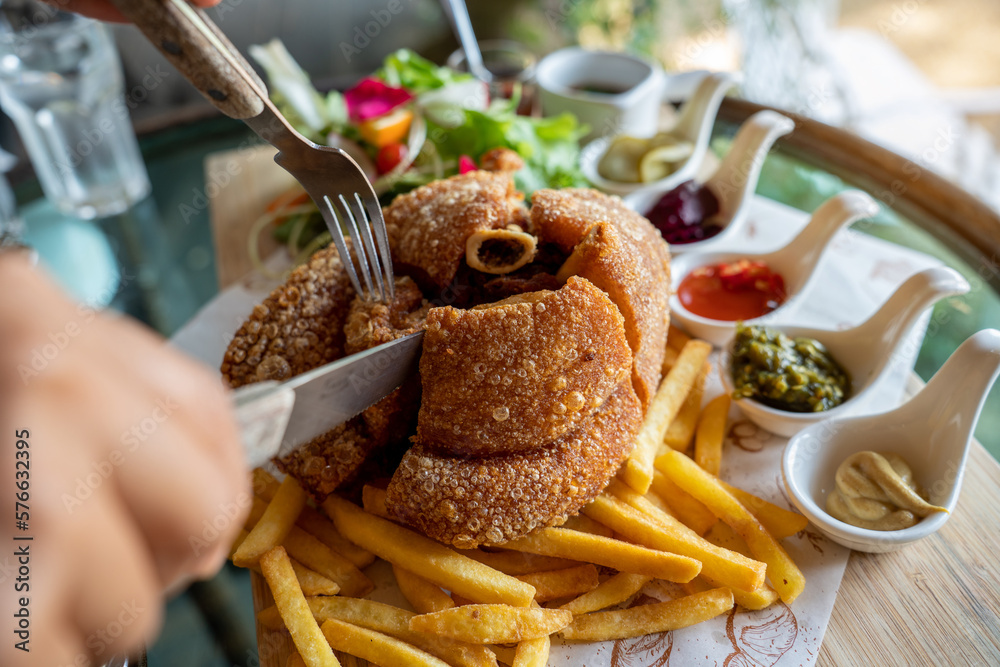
<point x="934" y="602"/>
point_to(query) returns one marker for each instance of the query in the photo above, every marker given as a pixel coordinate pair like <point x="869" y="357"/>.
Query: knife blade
<point x="276" y="418"/>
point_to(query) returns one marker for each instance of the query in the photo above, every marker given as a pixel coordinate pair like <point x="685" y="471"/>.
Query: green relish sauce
<point x="797" y="375"/>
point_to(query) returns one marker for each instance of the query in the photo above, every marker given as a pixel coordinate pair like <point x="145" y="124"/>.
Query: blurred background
<point x="917" y="76"/>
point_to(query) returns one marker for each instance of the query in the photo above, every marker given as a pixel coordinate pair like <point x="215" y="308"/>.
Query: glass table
<point x="159" y="265"/>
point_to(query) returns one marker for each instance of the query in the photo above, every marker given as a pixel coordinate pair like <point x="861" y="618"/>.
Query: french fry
<point x="778" y="521"/>
<point x="681" y="429"/>
<point x="686" y="507"/>
<point x="585" y="524"/>
<point x="317" y="556"/>
<point x="373" y="500"/>
<point x="240" y="536"/>
<point x="504" y="654"/>
<point x="761" y="598"/>
<point x="676" y="338"/>
<point x="294" y="610"/>
<point x="735" y="570"/>
<point x="627" y="494"/>
<point x="264" y="484"/>
<point x="310" y="581"/>
<point x="656" y="501"/>
<point x="376" y="647"/>
<point x="348" y="660"/>
<point x="308" y="549"/>
<point x="638" y="469"/>
<point x="322" y="528"/>
<point x="518" y="562"/>
<point x="532" y="653"/>
<point x="425" y="557"/>
<point x="669" y="359"/>
<point x="492" y="623"/>
<point x="313" y="522"/>
<point x="711" y="433"/>
<point x="275" y="524"/>
<point x="391" y="621"/>
<point x="650" y="618"/>
<point x="422" y="595"/>
<point x="555" y="584"/>
<point x="725" y="537"/>
<point x="785" y="576"/>
<point x="612" y="553"/>
<point x="611" y="591"/>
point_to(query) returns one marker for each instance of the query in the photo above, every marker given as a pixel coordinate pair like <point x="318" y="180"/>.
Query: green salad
<point x="409" y="123"/>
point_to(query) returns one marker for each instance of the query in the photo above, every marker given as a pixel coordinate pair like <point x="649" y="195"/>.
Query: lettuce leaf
<point x="406" y="69"/>
<point x="549" y="146"/>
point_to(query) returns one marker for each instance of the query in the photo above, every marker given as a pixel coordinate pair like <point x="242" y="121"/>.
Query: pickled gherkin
<point x="793" y="374"/>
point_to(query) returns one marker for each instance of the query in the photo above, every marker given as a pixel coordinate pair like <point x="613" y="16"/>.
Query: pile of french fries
<point x="666" y="516"/>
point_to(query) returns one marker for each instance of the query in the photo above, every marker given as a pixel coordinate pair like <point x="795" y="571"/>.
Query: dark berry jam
<point x="680" y="214"/>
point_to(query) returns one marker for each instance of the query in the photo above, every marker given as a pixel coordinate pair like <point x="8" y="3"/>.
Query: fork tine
<point x="359" y="249"/>
<point x="333" y="224"/>
<point x="382" y="238"/>
<point x="366" y="237"/>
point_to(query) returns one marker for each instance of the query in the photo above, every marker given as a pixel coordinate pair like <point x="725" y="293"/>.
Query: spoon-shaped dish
<point x="796" y="262"/>
<point x="733" y="183"/>
<point x="932" y="432"/>
<point x="866" y="351"/>
<point x="694" y="124"/>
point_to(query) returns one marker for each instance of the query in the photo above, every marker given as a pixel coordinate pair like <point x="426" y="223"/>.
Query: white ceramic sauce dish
<point x="866" y="351"/>
<point x="932" y="433"/>
<point x="796" y="263"/>
<point x="694" y="124"/>
<point x="732" y="184"/>
<point x="562" y="76"/>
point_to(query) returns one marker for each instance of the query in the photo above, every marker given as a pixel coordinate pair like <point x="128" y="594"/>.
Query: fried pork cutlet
<point x="518" y="374"/>
<point x="493" y="499"/>
<point x="369" y="324"/>
<point x="625" y="256"/>
<point x="298" y="327"/>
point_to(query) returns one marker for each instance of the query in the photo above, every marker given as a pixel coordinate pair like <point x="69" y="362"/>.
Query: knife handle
<point x="262" y="412"/>
<point x="194" y="45"/>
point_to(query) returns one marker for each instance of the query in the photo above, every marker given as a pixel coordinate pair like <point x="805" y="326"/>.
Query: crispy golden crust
<point x="370" y="324"/>
<point x="329" y="460"/>
<point x="518" y="374"/>
<point x="501" y="159"/>
<point x="298" y="327"/>
<point x="491" y="500"/>
<point x="428" y="227"/>
<point x="626" y="257"/>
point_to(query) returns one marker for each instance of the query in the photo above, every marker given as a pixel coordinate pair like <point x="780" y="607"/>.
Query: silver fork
<point x="375" y="267"/>
<point x="196" y="46"/>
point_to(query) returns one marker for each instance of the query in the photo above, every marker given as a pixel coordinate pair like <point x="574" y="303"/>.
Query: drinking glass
<point x="62" y="85"/>
<point x="511" y="64"/>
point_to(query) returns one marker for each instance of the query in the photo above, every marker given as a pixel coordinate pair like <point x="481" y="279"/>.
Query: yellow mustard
<point x="877" y="492"/>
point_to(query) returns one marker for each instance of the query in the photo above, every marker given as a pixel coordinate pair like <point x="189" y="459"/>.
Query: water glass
<point x="512" y="66"/>
<point x="62" y="85"/>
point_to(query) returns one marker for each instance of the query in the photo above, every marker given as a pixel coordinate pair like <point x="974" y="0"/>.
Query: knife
<point x="276" y="418"/>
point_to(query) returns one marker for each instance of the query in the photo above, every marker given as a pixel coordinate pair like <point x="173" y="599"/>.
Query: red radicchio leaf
<point x="466" y="164"/>
<point x="372" y="98"/>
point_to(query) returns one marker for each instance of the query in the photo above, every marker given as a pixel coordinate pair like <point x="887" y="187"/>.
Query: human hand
<point x="103" y="10"/>
<point x="137" y="479"/>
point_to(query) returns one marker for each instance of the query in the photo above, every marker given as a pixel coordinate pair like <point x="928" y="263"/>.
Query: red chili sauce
<point x="740" y="290"/>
